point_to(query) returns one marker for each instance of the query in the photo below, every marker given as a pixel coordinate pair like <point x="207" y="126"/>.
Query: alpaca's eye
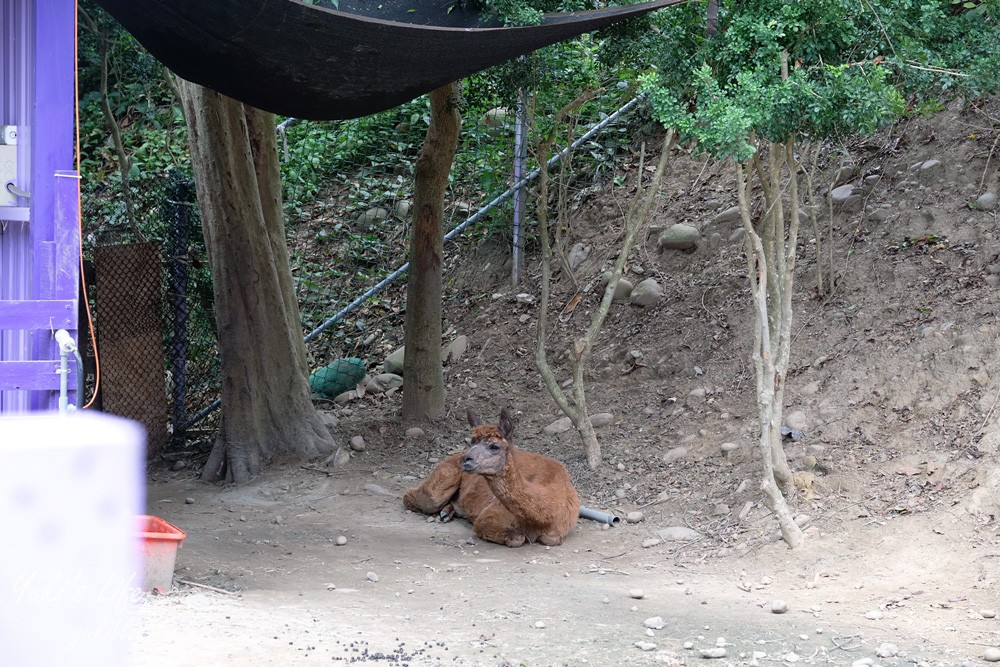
<point x="494" y="447"/>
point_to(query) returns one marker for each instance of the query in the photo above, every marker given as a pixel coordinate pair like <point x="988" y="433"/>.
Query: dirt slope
<point x="895" y="383"/>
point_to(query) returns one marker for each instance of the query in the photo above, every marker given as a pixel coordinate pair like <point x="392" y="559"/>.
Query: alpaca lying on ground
<point x="510" y="496"/>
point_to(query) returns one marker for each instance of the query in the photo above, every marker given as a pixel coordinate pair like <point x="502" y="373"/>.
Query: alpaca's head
<point x="490" y="446"/>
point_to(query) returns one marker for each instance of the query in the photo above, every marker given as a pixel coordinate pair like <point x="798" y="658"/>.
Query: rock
<point x="873" y="615"/>
<point x="339" y="458"/>
<point x="394" y="362"/>
<point x="341" y="540"/>
<point x="560" y="425"/>
<point x="738" y="235"/>
<point x="728" y="448"/>
<point x="845" y="173"/>
<point x="714" y="652"/>
<point x="414" y="432"/>
<point x="654" y="623"/>
<point x="372" y="577"/>
<point x="329" y="419"/>
<point x="645" y="646"/>
<point x="797" y="421"/>
<point x="840" y="195"/>
<point x="887" y="650"/>
<point x="189" y="501"/>
<point x="358" y="443"/>
<point x="376" y="490"/>
<point x="930" y="169"/>
<point x="991" y="655"/>
<point x="601" y="419"/>
<point x="525" y="298"/>
<point x="696" y="396"/>
<point x="791" y="657"/>
<point x="801" y="520"/>
<point x="779" y="606"/>
<point x="988" y="613"/>
<point x="178" y="465"/>
<point x="986" y="201"/>
<point x="402" y="209"/>
<point x="790" y="433"/>
<point x="637" y="594"/>
<point x="634" y="517"/>
<point x="675" y="454"/>
<point x="679" y="237"/>
<point x="678" y="534"/>
<point x="371" y="217"/>
<point x="863" y="662"/>
<point x="540" y="624"/>
<point x="646" y="294"/>
<point x="346" y="397"/>
<point x="651" y="542"/>
<point x="383" y="382"/>
<point x="455" y="350"/>
<point x="578" y="254"/>
<point x="731" y="214"/>
<point x="279" y="520"/>
<point x="623" y="289"/>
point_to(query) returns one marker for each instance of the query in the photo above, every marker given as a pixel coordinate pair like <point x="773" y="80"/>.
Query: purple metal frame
<point x="40" y="237"/>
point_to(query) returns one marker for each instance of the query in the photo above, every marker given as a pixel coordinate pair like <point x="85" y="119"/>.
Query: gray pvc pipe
<point x="600" y="517"/>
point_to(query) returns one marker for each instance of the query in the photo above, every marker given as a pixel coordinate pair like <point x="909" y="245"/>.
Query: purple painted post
<point x="51" y="136"/>
<point x="39" y="236"/>
<point x="16" y="46"/>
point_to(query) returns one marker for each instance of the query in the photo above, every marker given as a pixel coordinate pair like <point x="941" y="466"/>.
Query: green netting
<point x="336" y="378"/>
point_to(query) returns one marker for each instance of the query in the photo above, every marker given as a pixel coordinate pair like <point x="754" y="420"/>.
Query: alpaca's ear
<point x="474" y="421"/>
<point x="506" y="425"/>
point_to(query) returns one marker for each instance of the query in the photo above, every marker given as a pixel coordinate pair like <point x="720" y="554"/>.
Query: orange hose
<point x="79" y="206"/>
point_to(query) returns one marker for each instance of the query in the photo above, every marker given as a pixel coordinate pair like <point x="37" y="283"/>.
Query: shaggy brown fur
<point x="510" y="496"/>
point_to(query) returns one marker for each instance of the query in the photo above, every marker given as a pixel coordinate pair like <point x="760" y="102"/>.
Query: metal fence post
<point x="177" y="206"/>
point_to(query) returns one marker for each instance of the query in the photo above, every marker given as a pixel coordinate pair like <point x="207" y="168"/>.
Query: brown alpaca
<point x="510" y="496"/>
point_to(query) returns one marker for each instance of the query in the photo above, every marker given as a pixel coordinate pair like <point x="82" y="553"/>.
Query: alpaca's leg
<point x="551" y="540"/>
<point x="497" y="524"/>
<point x="435" y="493"/>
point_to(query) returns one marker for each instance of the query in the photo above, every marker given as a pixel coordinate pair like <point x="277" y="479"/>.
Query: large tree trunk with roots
<point x="423" y="380"/>
<point x="267" y="411"/>
<point x="771" y="264"/>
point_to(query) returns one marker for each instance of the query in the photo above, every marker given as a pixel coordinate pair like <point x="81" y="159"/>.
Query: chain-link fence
<point x="152" y="303"/>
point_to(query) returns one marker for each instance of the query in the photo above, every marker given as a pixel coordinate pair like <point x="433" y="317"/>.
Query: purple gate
<point x="39" y="200"/>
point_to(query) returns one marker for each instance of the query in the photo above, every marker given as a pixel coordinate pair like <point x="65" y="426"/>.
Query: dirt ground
<point x="894" y="386"/>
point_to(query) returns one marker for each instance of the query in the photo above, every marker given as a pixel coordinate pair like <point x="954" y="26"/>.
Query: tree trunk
<point x="267" y="411"/>
<point x="772" y="321"/>
<point x="423" y="380"/>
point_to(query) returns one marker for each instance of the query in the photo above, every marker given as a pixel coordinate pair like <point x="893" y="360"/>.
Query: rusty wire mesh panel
<point x="130" y="337"/>
<point x="164" y="209"/>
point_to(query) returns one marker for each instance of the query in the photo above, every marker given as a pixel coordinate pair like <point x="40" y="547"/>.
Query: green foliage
<point x="377" y="148"/>
<point x="814" y="69"/>
<point x="849" y="67"/>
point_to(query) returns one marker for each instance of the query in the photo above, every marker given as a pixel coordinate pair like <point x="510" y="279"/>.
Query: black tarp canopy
<point x="317" y="63"/>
